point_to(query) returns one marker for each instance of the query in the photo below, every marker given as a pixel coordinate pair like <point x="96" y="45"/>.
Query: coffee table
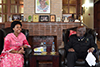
<point x="34" y="59"/>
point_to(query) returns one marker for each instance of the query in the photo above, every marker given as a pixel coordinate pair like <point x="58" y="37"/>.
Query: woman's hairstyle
<point x="15" y="23"/>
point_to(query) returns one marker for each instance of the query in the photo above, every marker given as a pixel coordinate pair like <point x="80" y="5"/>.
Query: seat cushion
<point x="72" y="32"/>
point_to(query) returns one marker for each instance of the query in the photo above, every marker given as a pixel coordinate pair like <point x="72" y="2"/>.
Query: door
<point x="97" y="18"/>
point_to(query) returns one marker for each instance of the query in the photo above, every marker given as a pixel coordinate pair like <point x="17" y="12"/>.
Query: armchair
<point x="4" y="32"/>
<point x="62" y="51"/>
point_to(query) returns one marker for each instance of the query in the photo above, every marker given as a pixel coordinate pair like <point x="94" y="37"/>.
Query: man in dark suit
<point x="79" y="45"/>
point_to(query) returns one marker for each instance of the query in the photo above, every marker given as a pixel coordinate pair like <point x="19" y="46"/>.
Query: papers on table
<point x="91" y="60"/>
<point x="38" y="49"/>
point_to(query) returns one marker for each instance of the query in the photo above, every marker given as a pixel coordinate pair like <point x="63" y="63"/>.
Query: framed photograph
<point x="58" y="19"/>
<point x="35" y="18"/>
<point x="16" y="17"/>
<point x="43" y="18"/>
<point x="42" y="6"/>
<point x="52" y="18"/>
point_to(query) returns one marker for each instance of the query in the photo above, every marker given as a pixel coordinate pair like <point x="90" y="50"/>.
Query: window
<point x="10" y="7"/>
<point x="69" y="6"/>
<point x="3" y="10"/>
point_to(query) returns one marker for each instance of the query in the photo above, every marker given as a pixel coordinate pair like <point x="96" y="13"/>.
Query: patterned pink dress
<point x="11" y="42"/>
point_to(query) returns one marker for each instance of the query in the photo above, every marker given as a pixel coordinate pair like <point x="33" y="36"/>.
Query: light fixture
<point x="87" y="4"/>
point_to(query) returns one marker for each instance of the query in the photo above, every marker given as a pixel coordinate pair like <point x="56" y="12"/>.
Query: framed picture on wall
<point x="43" y="18"/>
<point x="42" y="6"/>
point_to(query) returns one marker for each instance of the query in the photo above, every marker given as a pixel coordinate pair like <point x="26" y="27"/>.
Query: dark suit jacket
<point x="80" y="45"/>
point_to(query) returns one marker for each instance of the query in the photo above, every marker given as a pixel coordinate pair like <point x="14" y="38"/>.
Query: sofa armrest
<point x="97" y="55"/>
<point x="28" y="51"/>
<point x="62" y="53"/>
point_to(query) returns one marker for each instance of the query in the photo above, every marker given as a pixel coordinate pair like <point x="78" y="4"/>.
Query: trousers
<point x="73" y="56"/>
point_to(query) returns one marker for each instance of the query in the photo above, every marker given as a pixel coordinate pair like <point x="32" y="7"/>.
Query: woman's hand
<point x="25" y="46"/>
<point x="21" y="51"/>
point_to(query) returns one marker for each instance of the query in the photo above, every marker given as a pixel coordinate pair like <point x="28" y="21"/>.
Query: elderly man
<point x="79" y="45"/>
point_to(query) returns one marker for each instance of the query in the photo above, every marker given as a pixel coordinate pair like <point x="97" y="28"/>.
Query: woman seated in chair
<point x="79" y="45"/>
<point x="14" y="44"/>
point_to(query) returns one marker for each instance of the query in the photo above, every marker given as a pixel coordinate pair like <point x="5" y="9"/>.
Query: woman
<point x="42" y="7"/>
<point x="14" y="44"/>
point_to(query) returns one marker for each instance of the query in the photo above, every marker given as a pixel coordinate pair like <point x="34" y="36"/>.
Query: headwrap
<point x="14" y="23"/>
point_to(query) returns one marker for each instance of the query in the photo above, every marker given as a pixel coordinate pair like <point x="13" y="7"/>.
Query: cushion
<point x="72" y="32"/>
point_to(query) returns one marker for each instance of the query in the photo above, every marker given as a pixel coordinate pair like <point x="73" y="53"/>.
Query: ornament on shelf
<point x="10" y="19"/>
<point x="29" y="18"/>
<point x="66" y="20"/>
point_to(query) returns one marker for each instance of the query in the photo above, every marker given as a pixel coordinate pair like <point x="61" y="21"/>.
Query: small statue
<point x="10" y="19"/>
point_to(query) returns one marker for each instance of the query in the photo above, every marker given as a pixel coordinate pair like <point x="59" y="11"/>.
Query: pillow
<point x="72" y="32"/>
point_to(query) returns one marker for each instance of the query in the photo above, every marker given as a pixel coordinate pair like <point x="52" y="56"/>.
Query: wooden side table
<point x="34" y="59"/>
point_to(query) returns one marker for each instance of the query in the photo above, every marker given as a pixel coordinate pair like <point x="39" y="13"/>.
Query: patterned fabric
<point x="11" y="42"/>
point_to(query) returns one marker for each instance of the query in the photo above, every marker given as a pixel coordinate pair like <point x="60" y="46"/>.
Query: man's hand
<point x="91" y="49"/>
<point x="71" y="50"/>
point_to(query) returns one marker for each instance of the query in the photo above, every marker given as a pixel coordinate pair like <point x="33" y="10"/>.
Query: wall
<point x="88" y="16"/>
<point x="55" y="7"/>
<point x="46" y="29"/>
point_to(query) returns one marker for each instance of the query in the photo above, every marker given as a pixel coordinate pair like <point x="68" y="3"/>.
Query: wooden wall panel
<point x="97" y="18"/>
<point x="98" y="6"/>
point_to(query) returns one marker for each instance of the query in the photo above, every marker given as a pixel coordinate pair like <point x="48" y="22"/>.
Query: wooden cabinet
<point x="35" y="59"/>
<point x="10" y="7"/>
<point x="71" y="7"/>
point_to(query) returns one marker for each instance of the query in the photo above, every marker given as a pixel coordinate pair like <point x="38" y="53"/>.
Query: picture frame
<point x="42" y="6"/>
<point x="58" y="19"/>
<point x="53" y="18"/>
<point x="16" y="17"/>
<point x="43" y="18"/>
<point x="35" y="18"/>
